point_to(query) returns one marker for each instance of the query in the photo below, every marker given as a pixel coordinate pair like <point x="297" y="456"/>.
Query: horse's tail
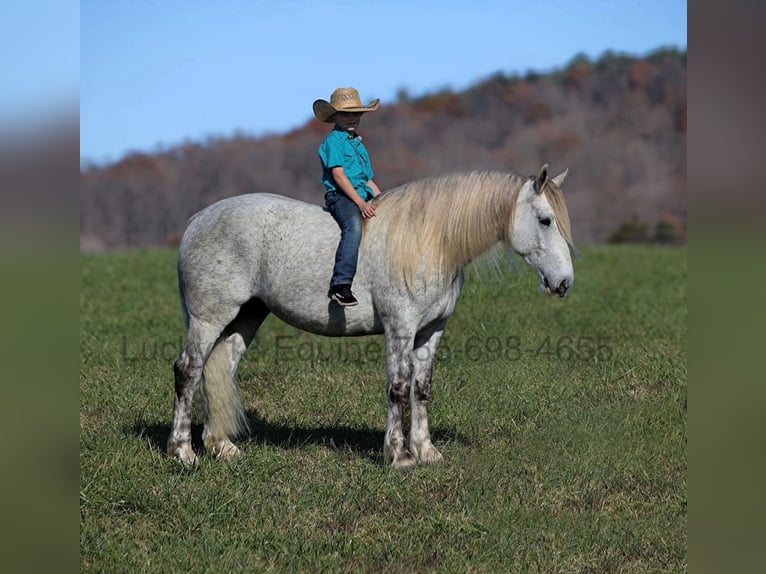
<point x="225" y="415"/>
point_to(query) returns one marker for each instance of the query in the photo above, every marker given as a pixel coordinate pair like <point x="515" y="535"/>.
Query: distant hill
<point x="618" y="124"/>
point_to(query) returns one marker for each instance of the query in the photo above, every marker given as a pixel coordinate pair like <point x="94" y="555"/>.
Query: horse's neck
<point x="453" y="222"/>
<point x="491" y="219"/>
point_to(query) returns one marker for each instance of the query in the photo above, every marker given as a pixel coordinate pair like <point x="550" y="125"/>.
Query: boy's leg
<point x="349" y="219"/>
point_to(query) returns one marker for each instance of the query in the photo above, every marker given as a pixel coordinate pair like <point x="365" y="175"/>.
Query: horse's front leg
<point x="426" y="345"/>
<point x="398" y="375"/>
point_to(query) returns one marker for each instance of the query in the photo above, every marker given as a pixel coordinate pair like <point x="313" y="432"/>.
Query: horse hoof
<point x="426" y="452"/>
<point x="223" y="450"/>
<point x="405" y="462"/>
<point x="430" y="455"/>
<point x="185" y="455"/>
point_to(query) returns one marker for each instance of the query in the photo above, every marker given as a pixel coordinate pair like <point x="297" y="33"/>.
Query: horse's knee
<point x="399" y="389"/>
<point x="423" y="387"/>
<point x="182" y="363"/>
<point x="181" y="371"/>
<point x="399" y="392"/>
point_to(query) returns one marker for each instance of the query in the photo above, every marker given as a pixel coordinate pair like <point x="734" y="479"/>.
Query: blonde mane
<point x="444" y="222"/>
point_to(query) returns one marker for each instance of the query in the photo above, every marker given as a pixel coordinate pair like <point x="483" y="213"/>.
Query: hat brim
<point x="324" y="110"/>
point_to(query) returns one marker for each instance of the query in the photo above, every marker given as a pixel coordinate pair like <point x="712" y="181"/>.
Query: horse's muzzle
<point x="561" y="290"/>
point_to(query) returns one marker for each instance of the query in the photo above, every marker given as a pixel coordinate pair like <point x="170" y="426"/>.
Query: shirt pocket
<point x="352" y="162"/>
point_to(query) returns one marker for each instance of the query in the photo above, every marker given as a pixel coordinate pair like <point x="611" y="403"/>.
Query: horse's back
<point x="241" y="213"/>
<point x="249" y="221"/>
<point x="250" y="234"/>
<point x="275" y="249"/>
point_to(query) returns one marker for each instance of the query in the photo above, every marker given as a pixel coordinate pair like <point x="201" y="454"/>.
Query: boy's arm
<point x="344" y="184"/>
<point x="367" y="209"/>
<point x="374" y="187"/>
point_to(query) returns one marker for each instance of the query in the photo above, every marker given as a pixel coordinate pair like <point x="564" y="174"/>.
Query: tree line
<point x="618" y="123"/>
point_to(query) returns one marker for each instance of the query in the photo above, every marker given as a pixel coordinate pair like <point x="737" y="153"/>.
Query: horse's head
<point x="540" y="232"/>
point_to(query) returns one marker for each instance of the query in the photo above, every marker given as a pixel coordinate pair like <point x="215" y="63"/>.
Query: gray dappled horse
<point x="247" y="256"/>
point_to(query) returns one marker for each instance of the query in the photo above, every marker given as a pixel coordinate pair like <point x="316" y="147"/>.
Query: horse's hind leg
<point x="224" y="416"/>
<point x="222" y="412"/>
<point x="187" y="370"/>
<point x="426" y="345"/>
<point x="398" y="374"/>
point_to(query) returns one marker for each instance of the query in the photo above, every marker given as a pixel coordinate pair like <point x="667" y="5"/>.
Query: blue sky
<point x="156" y="73"/>
<point x="40" y="61"/>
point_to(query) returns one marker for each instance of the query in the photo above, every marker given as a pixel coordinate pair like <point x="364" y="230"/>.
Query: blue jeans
<point x="349" y="219"/>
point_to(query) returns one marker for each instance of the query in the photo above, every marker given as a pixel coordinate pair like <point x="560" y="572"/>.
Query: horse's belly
<point x="321" y="316"/>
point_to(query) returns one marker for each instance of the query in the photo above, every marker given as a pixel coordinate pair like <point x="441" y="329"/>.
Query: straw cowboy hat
<point x="342" y="100"/>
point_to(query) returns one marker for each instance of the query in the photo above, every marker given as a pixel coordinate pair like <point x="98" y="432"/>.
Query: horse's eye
<point x="545" y="221"/>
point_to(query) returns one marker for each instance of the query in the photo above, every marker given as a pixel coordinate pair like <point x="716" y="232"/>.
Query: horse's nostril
<point x="562" y="287"/>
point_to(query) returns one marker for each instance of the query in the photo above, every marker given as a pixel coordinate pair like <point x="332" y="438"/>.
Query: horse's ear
<point x="559" y="179"/>
<point x="541" y="179"/>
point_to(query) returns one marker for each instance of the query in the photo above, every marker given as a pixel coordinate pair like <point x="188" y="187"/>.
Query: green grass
<point x="562" y="423"/>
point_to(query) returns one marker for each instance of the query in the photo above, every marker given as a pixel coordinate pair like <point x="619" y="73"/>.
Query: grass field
<point x="562" y="423"/>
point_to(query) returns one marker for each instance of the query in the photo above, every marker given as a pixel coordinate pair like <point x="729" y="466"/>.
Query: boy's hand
<point x="367" y="210"/>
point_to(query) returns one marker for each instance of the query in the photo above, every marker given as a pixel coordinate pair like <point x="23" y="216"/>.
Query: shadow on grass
<point x="362" y="441"/>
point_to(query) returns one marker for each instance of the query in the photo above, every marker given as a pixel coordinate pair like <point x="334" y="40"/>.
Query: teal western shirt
<point x="346" y="150"/>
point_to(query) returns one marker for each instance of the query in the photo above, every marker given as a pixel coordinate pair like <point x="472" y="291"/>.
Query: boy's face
<point x="347" y="121"/>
